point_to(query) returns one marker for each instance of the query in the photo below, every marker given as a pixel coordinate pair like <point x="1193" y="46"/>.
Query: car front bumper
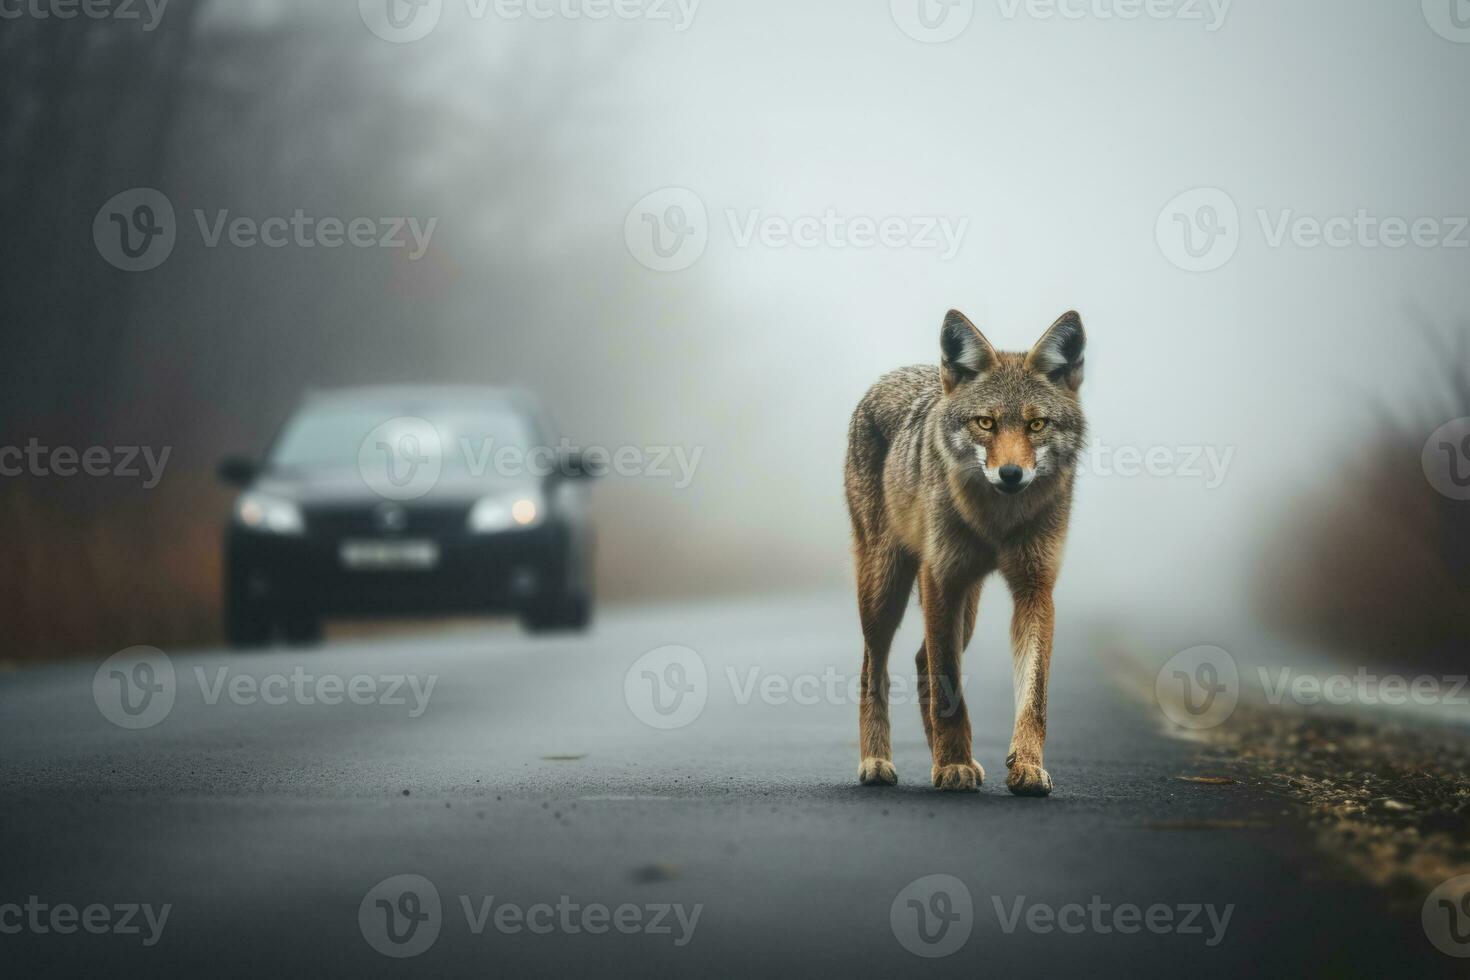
<point x="473" y="573"/>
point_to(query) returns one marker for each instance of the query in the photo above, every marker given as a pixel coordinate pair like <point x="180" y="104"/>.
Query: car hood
<point x="347" y="487"/>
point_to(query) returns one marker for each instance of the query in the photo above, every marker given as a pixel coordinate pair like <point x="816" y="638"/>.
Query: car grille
<point x="378" y="520"/>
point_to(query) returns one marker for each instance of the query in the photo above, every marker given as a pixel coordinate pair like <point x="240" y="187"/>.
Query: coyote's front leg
<point x="949" y="722"/>
<point x="885" y="580"/>
<point x="1031" y="639"/>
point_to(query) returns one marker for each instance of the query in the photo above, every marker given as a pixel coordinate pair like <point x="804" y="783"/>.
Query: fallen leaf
<point x="1208" y="780"/>
<point x="659" y="871"/>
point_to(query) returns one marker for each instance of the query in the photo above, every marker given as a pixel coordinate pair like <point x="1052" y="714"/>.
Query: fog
<point x="1046" y="148"/>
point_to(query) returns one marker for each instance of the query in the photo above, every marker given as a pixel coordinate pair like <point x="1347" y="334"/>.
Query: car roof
<point x="422" y="394"/>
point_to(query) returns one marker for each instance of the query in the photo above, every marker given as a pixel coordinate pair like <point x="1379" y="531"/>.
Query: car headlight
<point x="505" y="511"/>
<point x="261" y="512"/>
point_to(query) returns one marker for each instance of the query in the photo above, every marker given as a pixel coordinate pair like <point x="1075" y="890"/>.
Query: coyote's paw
<point x="957" y="778"/>
<point x="877" y="772"/>
<point x="1026" y="780"/>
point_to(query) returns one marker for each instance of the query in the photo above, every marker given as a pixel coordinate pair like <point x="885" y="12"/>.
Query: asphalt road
<point x="564" y="834"/>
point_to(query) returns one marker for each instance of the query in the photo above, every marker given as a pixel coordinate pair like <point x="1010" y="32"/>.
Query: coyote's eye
<point x="1037" y="425"/>
<point x="985" y="422"/>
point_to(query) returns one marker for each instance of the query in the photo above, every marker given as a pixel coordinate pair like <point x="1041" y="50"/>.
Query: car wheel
<point x="247" y="625"/>
<point x="302" y="630"/>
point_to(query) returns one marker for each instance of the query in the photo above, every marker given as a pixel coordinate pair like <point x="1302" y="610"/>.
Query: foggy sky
<point x="1059" y="141"/>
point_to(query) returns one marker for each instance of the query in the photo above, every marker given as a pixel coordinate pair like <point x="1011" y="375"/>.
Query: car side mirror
<point x="237" y="471"/>
<point x="576" y="466"/>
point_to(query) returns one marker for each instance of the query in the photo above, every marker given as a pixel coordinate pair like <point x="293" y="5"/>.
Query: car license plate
<point x="372" y="556"/>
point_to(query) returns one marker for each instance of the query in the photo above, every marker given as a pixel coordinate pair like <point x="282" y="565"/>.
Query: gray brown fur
<point x="925" y="480"/>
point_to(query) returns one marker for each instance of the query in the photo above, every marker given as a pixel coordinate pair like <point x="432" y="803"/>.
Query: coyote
<point x="952" y="473"/>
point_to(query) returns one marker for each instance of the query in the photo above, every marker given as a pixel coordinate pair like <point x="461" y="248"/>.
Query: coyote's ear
<point x="1058" y="354"/>
<point x="966" y="352"/>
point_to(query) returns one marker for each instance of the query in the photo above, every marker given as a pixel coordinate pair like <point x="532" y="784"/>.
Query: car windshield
<point x="331" y="437"/>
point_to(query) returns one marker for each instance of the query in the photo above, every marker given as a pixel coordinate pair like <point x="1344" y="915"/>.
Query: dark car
<point x="400" y="501"/>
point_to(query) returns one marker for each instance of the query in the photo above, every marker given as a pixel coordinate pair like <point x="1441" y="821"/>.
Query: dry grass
<point x="1390" y="800"/>
<point x="141" y="567"/>
<point x="1376" y="563"/>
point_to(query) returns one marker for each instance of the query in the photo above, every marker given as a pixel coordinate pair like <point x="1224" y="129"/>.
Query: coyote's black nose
<point x="1010" y="474"/>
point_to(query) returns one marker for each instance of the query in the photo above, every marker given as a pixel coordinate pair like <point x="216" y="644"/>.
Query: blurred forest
<point x="262" y="109"/>
<point x="1374" y="562"/>
<point x="530" y="141"/>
